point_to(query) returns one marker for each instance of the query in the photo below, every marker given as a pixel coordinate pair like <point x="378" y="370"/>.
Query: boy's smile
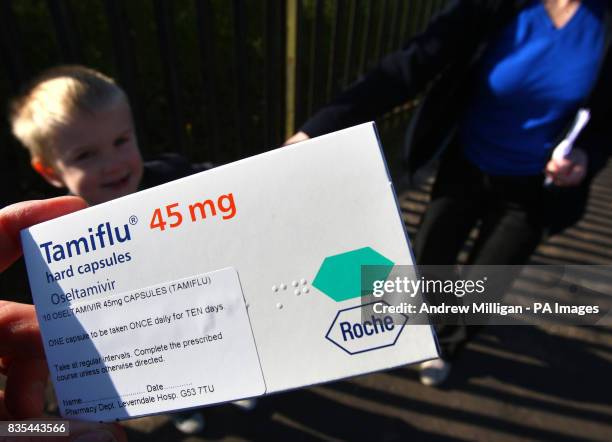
<point x="96" y="155"/>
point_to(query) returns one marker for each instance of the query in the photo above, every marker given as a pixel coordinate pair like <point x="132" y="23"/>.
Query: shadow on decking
<point x="512" y="382"/>
<point x="545" y="382"/>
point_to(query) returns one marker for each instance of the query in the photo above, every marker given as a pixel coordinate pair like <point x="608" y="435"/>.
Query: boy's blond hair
<point x="53" y="99"/>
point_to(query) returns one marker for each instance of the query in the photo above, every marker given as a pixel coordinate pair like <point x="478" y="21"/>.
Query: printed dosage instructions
<point x="174" y="345"/>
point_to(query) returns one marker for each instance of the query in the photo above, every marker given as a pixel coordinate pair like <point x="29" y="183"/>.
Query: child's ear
<point x="48" y="173"/>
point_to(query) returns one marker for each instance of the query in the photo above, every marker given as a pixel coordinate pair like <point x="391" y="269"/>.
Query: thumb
<point x="25" y="214"/>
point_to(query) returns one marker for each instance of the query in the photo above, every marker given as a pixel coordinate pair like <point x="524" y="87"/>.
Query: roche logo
<point x="340" y="276"/>
<point x="356" y="334"/>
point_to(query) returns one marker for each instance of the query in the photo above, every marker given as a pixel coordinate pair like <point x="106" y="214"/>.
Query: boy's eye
<point x="83" y="156"/>
<point x="121" y="140"/>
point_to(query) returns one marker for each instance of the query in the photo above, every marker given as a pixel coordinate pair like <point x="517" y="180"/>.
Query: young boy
<point x="78" y="126"/>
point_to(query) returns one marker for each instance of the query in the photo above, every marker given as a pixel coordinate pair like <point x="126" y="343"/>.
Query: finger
<point x="4" y="413"/>
<point x="19" y="331"/>
<point x="560" y="180"/>
<point x="25" y="387"/>
<point x="296" y="138"/>
<point x="567" y="180"/>
<point x="552" y="167"/>
<point x="576" y="176"/>
<point x="550" y="175"/>
<point x="5" y="362"/>
<point x="552" y="170"/>
<point x="564" y="166"/>
<point x="25" y="214"/>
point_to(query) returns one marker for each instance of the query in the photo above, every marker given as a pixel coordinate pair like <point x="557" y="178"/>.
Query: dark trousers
<point x="510" y="210"/>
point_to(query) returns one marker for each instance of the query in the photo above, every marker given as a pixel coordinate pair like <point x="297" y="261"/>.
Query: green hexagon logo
<point x="340" y="276"/>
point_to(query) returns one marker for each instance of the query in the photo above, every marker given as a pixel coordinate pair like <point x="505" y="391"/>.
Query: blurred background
<point x="219" y="80"/>
<point x="216" y="80"/>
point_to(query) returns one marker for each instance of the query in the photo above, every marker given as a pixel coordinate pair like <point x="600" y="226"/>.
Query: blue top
<point x="531" y="82"/>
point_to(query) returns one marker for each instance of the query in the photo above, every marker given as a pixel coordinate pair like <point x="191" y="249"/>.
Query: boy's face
<point x="96" y="156"/>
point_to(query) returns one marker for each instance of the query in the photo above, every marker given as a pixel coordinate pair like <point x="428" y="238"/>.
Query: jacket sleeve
<point x="201" y="167"/>
<point x="402" y="75"/>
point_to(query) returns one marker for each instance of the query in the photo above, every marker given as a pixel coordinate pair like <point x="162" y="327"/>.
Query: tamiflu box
<point x="236" y="282"/>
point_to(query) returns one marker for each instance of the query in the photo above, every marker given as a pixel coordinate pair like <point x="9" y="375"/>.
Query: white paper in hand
<point x="564" y="148"/>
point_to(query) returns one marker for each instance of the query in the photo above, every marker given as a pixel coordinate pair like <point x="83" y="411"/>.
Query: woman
<point x="503" y="81"/>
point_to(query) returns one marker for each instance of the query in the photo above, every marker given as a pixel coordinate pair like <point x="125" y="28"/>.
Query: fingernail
<point x="97" y="436"/>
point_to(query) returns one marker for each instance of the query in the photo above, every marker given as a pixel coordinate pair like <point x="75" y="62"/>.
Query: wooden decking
<point x="545" y="382"/>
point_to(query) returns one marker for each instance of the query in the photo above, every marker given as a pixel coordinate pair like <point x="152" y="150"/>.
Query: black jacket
<point x="169" y="167"/>
<point x="441" y="64"/>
